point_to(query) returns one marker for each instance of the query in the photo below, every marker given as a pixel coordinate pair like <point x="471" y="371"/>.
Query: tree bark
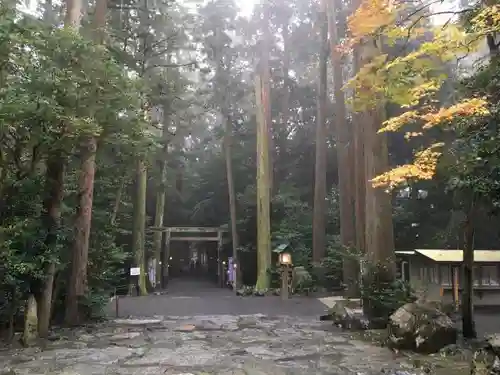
<point x="266" y="87"/>
<point x="159" y="217"/>
<point x="78" y="279"/>
<point x="232" y="200"/>
<point x="345" y="157"/>
<point x="319" y="231"/>
<point x="73" y="13"/>
<point x="77" y="287"/>
<point x="48" y="12"/>
<point x="359" y="181"/>
<point x="222" y="102"/>
<point x="140" y="225"/>
<point x="468" y="326"/>
<point x="101" y="12"/>
<point x="280" y="146"/>
<point x="52" y="217"/>
<point x="379" y="236"/>
<point x="263" y="189"/>
<point x="55" y="189"/>
<point x="118" y="200"/>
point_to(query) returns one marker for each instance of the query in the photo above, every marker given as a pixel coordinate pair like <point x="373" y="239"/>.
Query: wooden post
<point x="117" y="305"/>
<point x="285" y="274"/>
<point x="220" y="268"/>
<point x="456" y="298"/>
<point x="166" y="260"/>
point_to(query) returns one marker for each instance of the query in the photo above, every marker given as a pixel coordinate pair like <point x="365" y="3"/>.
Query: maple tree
<point x="413" y="79"/>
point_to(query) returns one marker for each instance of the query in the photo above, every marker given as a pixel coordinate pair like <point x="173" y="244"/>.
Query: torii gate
<point x="198" y="234"/>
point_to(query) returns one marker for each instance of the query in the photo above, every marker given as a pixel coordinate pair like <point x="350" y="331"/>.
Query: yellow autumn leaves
<point x="415" y="76"/>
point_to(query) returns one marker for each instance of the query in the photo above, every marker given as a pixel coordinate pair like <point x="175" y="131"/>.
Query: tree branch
<point x="172" y="65"/>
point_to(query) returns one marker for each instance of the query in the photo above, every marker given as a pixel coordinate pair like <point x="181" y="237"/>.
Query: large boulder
<point x="421" y="327"/>
<point x="486" y="361"/>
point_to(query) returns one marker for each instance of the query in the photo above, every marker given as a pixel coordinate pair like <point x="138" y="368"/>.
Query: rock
<point x="346" y="317"/>
<point x="137" y="322"/>
<point x="486" y="361"/>
<point x="80" y="345"/>
<point x="245" y="291"/>
<point x="207" y="325"/>
<point x="86" y="338"/>
<point x="421" y="327"/>
<point x="234" y="371"/>
<point x="301" y="278"/>
<point x="446" y="308"/>
<point x="451" y="350"/>
<point x="493" y="342"/>
<point x="125" y="336"/>
<point x="30" y="334"/>
<point x="186" y="328"/>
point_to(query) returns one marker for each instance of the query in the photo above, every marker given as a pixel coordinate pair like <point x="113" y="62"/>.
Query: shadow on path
<point x="195" y="297"/>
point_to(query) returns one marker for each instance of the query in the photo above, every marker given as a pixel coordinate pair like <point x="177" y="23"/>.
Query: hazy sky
<point x="246" y="6"/>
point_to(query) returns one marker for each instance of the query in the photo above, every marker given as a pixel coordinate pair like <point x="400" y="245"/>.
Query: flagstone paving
<point x="222" y="344"/>
<point x="230" y="338"/>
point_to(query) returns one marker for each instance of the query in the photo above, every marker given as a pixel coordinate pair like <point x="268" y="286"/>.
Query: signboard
<point x="152" y="271"/>
<point x="231" y="272"/>
<point x="135" y="271"/>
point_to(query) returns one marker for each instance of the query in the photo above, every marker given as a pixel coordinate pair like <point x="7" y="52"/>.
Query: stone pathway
<point x="200" y="330"/>
<point x="222" y="344"/>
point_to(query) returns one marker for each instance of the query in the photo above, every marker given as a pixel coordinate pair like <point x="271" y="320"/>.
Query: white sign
<point x="135" y="271"/>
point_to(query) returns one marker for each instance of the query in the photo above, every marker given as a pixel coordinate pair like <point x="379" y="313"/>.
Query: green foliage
<point x="381" y="294"/>
<point x="55" y="87"/>
<point x="330" y="273"/>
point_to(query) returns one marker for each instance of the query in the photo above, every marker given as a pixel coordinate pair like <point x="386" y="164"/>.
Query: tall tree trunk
<point x="160" y="214"/>
<point x="468" y="326"/>
<point x="140" y="225"/>
<point x="77" y="287"/>
<point x="73" y="13"/>
<point x="48" y="12"/>
<point x="266" y="87"/>
<point x="161" y="194"/>
<point x="379" y="236"/>
<point x="359" y="181"/>
<point x="319" y="230"/>
<point x="280" y="149"/>
<point x="78" y="280"/>
<point x="223" y="104"/>
<point x="52" y="216"/>
<point x="345" y="157"/>
<point x="118" y="200"/>
<point x="55" y="190"/>
<point x="263" y="188"/>
<point x="232" y="199"/>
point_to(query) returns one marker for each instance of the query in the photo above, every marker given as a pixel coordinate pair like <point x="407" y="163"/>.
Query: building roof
<point x="452" y="256"/>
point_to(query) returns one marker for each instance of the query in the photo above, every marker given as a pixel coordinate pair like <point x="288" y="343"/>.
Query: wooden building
<point x="434" y="273"/>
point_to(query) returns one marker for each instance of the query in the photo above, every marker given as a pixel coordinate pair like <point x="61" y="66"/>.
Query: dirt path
<point x="194" y="297"/>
